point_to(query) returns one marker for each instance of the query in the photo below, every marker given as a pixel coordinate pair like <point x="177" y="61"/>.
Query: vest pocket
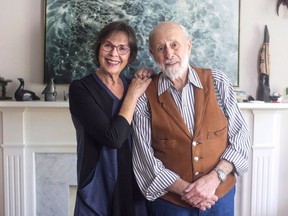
<point x="157" y="143"/>
<point x="217" y="134"/>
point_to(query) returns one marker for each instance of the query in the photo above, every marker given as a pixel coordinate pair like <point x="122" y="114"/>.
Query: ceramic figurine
<point x="50" y="91"/>
<point x="3" y="84"/>
<point x="24" y="95"/>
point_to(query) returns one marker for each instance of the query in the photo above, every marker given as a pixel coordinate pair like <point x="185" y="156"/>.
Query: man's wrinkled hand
<point x="201" y="193"/>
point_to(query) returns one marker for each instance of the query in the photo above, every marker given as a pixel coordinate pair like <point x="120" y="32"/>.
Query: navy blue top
<point x="106" y="184"/>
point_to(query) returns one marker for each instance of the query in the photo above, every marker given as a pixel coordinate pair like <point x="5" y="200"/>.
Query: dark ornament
<point x="279" y="2"/>
<point x="263" y="90"/>
<point x="250" y="98"/>
<point x="66" y="96"/>
<point x="24" y="95"/>
<point x="50" y="91"/>
<point x="3" y="84"/>
<point x="274" y="97"/>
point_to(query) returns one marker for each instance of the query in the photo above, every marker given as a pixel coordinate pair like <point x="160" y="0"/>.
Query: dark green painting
<point x="72" y="26"/>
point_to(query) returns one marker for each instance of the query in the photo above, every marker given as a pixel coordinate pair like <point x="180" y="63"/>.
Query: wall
<point x="254" y="15"/>
<point x="22" y="42"/>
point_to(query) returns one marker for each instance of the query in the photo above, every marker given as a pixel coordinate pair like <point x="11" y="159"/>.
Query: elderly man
<point x="190" y="138"/>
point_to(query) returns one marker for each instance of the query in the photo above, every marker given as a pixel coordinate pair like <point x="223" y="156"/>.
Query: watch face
<point x="221" y="175"/>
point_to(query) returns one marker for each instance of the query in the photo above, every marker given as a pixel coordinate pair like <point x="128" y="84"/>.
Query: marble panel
<point x="55" y="173"/>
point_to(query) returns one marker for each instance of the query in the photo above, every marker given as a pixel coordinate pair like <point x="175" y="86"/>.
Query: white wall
<point x="254" y="16"/>
<point x="22" y="53"/>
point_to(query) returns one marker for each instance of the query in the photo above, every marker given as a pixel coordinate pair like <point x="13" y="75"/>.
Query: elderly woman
<point x="102" y="106"/>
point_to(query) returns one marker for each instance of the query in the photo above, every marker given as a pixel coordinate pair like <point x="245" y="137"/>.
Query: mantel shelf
<point x="263" y="106"/>
<point x="64" y="104"/>
<point x="34" y="104"/>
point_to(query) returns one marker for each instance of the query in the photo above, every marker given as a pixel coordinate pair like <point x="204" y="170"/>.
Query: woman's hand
<point x="138" y="85"/>
<point x="136" y="88"/>
<point x="144" y="73"/>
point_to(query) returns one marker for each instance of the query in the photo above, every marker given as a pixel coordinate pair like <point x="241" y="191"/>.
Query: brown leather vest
<point x="189" y="156"/>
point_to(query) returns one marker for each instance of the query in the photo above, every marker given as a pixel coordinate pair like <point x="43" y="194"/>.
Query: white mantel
<point x="28" y="128"/>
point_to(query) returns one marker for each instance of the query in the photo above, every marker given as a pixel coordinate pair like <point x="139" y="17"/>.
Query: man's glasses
<point x="121" y="49"/>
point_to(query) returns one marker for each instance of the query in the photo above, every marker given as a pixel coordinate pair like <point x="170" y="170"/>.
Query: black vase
<point x="263" y="90"/>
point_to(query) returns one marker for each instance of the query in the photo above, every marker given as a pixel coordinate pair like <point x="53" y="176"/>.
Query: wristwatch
<point x="221" y="174"/>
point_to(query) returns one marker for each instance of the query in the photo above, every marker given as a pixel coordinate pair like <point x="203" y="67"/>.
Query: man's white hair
<point x="185" y="31"/>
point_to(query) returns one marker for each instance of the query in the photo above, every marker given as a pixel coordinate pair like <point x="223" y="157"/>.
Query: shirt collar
<point x="164" y="83"/>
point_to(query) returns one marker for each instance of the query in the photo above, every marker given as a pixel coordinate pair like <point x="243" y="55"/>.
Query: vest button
<point x="194" y="143"/>
<point x="196" y="159"/>
<point x="196" y="173"/>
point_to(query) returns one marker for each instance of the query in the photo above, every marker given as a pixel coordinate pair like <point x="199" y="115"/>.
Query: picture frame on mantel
<point x="71" y="27"/>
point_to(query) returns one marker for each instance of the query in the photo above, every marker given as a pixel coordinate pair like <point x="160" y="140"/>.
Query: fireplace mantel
<point x="28" y="128"/>
<point x="65" y="104"/>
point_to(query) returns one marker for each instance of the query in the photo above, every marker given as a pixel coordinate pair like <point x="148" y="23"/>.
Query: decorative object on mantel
<point x="66" y="96"/>
<point x="285" y="97"/>
<point x="250" y="98"/>
<point x="3" y="84"/>
<point x="50" y="91"/>
<point x="276" y="97"/>
<point x="279" y="2"/>
<point x="263" y="90"/>
<point x="22" y="94"/>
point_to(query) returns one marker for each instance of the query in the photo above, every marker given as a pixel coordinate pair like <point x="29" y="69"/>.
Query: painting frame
<point x="71" y="27"/>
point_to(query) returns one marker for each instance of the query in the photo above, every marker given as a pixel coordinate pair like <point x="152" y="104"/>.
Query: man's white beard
<point x="174" y="72"/>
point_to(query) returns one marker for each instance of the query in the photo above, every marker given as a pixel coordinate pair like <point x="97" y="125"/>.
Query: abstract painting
<point x="71" y="27"/>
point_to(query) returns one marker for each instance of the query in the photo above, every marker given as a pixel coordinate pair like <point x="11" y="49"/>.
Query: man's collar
<point x="164" y="83"/>
<point x="194" y="78"/>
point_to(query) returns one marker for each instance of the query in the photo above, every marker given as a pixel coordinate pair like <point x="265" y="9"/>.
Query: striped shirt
<point x="152" y="176"/>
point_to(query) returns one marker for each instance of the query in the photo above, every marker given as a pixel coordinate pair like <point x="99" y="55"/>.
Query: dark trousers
<point x="223" y="207"/>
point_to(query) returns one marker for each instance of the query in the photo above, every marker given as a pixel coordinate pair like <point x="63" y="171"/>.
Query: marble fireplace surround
<point x="38" y="159"/>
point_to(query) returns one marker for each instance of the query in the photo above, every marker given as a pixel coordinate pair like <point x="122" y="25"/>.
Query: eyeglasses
<point x="121" y="49"/>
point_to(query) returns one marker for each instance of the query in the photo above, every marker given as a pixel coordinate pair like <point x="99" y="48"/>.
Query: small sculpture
<point x="66" y="96"/>
<point x="24" y="95"/>
<point x="276" y="97"/>
<point x="263" y="90"/>
<point x="279" y="2"/>
<point x="3" y="84"/>
<point x="50" y="91"/>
